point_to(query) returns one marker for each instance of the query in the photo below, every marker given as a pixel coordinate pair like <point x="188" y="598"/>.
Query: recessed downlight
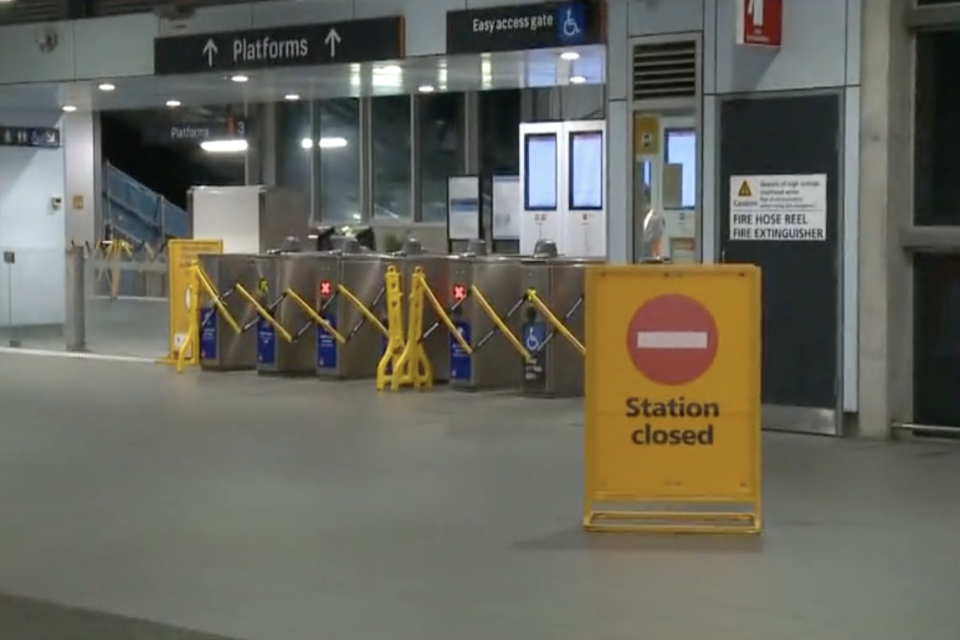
<point x="240" y="78"/>
<point x="173" y="104"/>
<point x="570" y="55"/>
<point x="577" y="79"/>
<point x="426" y="88"/>
<point x="306" y="143"/>
<point x="69" y="108"/>
<point x="107" y="86"/>
<point x="292" y="97"/>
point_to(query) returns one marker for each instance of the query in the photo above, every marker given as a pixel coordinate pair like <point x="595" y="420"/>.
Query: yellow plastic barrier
<point x="554" y="321"/>
<point x="263" y="313"/>
<point x="500" y="324"/>
<point x="182" y="256"/>
<point x="387" y="367"/>
<point x="672" y="399"/>
<point x="365" y="311"/>
<point x="413" y="367"/>
<point x="312" y="313"/>
<point x="442" y="315"/>
<point x="192" y="342"/>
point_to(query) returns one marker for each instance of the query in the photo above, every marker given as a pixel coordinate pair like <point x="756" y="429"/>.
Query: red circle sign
<point x="672" y="339"/>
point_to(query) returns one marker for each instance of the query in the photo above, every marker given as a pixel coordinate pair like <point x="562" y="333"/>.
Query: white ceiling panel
<point x="454" y="73"/>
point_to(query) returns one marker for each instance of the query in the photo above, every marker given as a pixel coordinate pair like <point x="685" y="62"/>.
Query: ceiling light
<point x="426" y="88"/>
<point x="306" y="143"/>
<point x="291" y="97"/>
<point x="224" y="146"/>
<point x="333" y="143"/>
<point x="570" y="55"/>
<point x="69" y="108"/>
<point x="173" y="103"/>
<point x="577" y="80"/>
<point x="107" y="86"/>
<point x="240" y="78"/>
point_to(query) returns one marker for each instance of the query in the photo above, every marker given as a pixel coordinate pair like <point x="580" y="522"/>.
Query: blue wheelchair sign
<point x="571" y="23"/>
<point x="534" y="337"/>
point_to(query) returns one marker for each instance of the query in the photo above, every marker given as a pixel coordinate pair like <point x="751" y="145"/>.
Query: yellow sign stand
<point x="181" y="256"/>
<point x="672" y="399"/>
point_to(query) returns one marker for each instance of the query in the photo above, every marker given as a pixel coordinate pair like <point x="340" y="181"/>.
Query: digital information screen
<point x="586" y="170"/>
<point x="540" y="188"/>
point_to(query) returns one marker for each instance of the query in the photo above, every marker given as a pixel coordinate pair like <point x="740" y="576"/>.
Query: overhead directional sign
<point x="36" y="137"/>
<point x="529" y="26"/>
<point x="296" y="46"/>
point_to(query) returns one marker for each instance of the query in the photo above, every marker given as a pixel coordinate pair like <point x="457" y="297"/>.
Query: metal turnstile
<point x="222" y="348"/>
<point x="557" y="365"/>
<point x="351" y="292"/>
<point x="283" y="278"/>
<point x="495" y="362"/>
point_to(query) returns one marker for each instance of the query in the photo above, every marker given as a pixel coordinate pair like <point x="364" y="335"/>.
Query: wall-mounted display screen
<point x="586" y="170"/>
<point x="540" y="174"/>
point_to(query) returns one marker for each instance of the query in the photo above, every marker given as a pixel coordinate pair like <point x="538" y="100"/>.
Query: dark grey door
<point x="801" y="279"/>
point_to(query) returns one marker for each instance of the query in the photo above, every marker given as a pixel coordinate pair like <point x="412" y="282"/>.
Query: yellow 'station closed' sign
<point x="672" y="400"/>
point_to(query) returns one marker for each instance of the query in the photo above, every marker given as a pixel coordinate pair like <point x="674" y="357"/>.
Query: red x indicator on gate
<point x="325" y="288"/>
<point x="459" y="292"/>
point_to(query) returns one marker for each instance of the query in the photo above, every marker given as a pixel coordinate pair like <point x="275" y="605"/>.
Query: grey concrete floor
<point x="266" y="509"/>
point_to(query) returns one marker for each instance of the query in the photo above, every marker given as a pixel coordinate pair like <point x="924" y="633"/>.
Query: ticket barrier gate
<point x="487" y="298"/>
<point x="227" y="341"/>
<point x="350" y="293"/>
<point x="553" y="326"/>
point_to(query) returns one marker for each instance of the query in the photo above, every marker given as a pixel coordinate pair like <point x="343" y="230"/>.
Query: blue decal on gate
<point x="571" y="22"/>
<point x="535" y="369"/>
<point x="461" y="365"/>
<point x="208" y="334"/>
<point x="327" y="345"/>
<point x="534" y="336"/>
<point x="266" y="342"/>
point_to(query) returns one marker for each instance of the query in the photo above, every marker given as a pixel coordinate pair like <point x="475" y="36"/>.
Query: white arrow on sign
<point x="755" y="11"/>
<point x="210" y="50"/>
<point x="332" y="40"/>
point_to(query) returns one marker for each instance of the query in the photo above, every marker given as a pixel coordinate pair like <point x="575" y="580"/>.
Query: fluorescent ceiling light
<point x="240" y="78"/>
<point x="577" y="80"/>
<point x="69" y="108"/>
<point x="333" y="143"/>
<point x="224" y="146"/>
<point x="570" y="55"/>
<point x="291" y="97"/>
<point x="173" y="103"/>
<point x="306" y="143"/>
<point x="107" y="86"/>
<point x="426" y="88"/>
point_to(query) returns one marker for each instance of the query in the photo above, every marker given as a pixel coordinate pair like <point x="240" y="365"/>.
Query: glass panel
<point x="680" y="151"/>
<point x="32" y="308"/>
<point x="937" y="130"/>
<point x="391" y="157"/>
<point x="936" y="339"/>
<point x="294" y="142"/>
<point x="339" y="155"/>
<point x="586" y="171"/>
<point x="499" y="139"/>
<point x="540" y="190"/>
<point x="441" y="151"/>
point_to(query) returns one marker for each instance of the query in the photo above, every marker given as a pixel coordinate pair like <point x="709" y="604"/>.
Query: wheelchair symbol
<point x="570" y="26"/>
<point x="532" y="340"/>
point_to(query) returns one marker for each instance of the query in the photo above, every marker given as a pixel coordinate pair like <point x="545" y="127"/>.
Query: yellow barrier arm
<point x="263" y="313"/>
<point x="364" y="311"/>
<point x="215" y="298"/>
<point x="555" y="321"/>
<point x="443" y="315"/>
<point x="500" y="324"/>
<point x="316" y="317"/>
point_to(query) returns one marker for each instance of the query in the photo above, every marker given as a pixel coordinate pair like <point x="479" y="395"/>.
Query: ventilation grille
<point x="31" y="11"/>
<point x="119" y="7"/>
<point x="665" y="70"/>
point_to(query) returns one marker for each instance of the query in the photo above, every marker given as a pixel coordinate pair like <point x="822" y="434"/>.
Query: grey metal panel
<point x="33" y="11"/>
<point x="940" y="16"/>
<point x="283" y="213"/>
<point x="931" y="239"/>
<point x="120" y="7"/>
<point x="296" y="272"/>
<point x="362" y="275"/>
<point x="233" y="351"/>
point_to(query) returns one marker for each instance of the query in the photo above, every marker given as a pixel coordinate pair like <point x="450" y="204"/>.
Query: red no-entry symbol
<point x="459" y="292"/>
<point x="672" y="339"/>
<point x="325" y="288"/>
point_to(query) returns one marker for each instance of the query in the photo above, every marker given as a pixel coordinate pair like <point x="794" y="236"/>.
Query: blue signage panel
<point x="208" y="334"/>
<point x="540" y="25"/>
<point x="266" y="343"/>
<point x="327" y="345"/>
<point x="461" y="365"/>
<point x="535" y="370"/>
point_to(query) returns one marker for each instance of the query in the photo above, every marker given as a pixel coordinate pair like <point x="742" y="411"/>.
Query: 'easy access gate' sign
<point x="673" y="398"/>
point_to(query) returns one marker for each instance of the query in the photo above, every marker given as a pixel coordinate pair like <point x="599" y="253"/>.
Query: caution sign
<point x="672" y="406"/>
<point x="744" y="191"/>
<point x="181" y="254"/>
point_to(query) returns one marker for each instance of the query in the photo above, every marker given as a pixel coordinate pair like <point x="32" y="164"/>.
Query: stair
<point x="140" y="214"/>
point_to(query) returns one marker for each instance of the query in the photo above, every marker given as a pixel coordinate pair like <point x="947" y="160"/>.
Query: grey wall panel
<point x="854" y="17"/>
<point x="426" y="22"/>
<point x="209" y="19"/>
<point x="277" y="13"/>
<point x="619" y="182"/>
<point x="21" y="59"/>
<point x="709" y="71"/>
<point x="708" y="181"/>
<point x="656" y="17"/>
<point x="851" y="248"/>
<point x="814" y="40"/>
<point x="81" y="148"/>
<point x="96" y="56"/>
<point x="618" y="50"/>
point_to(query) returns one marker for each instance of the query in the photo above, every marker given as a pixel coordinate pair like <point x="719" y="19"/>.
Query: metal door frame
<point x="820" y="421"/>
